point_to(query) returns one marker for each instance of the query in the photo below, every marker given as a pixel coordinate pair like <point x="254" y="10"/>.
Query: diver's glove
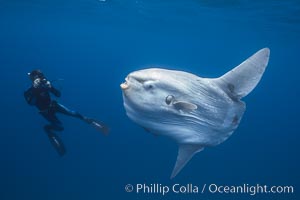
<point x="47" y="83"/>
<point x="37" y="83"/>
<point x="41" y="83"/>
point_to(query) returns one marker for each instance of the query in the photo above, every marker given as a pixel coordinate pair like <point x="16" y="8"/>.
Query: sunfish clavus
<point x="196" y="112"/>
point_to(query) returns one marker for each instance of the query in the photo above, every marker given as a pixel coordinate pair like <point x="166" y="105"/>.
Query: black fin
<point x="100" y="126"/>
<point x="57" y="143"/>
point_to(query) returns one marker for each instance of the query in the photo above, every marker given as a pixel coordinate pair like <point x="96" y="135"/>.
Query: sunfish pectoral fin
<point x="185" y="153"/>
<point x="241" y="80"/>
<point x="184" y="106"/>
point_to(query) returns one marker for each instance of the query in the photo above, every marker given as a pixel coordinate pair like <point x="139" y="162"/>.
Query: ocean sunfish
<point x="196" y="112"/>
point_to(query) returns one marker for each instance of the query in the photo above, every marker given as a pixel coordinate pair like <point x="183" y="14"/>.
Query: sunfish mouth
<point x="124" y="85"/>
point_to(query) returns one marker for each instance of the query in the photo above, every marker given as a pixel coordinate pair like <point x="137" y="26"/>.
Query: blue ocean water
<point x="92" y="45"/>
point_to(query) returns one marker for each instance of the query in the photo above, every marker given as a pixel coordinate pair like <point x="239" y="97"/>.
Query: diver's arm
<point x="55" y="91"/>
<point x="52" y="89"/>
<point x="29" y="96"/>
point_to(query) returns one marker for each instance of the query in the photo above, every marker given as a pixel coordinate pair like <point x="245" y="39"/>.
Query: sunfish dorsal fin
<point x="185" y="153"/>
<point x="241" y="80"/>
<point x="185" y="106"/>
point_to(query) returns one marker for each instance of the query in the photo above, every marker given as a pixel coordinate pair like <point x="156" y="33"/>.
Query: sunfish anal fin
<point x="185" y="153"/>
<point x="185" y="106"/>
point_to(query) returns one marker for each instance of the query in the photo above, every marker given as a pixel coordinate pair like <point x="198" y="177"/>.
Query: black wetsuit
<point x="40" y="97"/>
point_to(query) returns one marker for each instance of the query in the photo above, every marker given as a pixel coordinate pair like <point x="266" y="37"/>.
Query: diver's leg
<point x="55" y="125"/>
<point x="54" y="139"/>
<point x="95" y="123"/>
<point x="66" y="111"/>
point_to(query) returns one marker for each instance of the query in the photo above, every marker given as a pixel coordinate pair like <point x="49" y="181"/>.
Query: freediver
<point x="39" y="95"/>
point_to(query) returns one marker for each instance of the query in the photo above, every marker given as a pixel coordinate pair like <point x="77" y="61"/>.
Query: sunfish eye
<point x="169" y="99"/>
<point x="148" y="85"/>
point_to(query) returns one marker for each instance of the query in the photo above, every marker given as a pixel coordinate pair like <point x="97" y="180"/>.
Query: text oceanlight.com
<point x="176" y="188"/>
